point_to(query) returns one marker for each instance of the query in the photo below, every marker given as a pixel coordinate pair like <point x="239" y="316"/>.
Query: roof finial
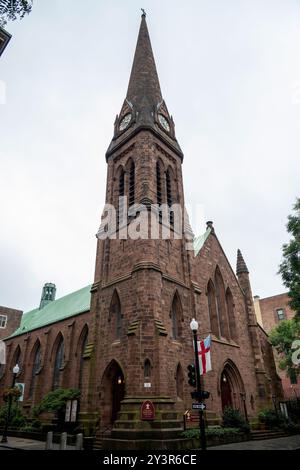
<point x="144" y="13"/>
<point x="241" y="266"/>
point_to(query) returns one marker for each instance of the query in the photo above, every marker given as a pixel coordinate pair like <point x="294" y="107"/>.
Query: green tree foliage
<point x="56" y="401"/>
<point x="282" y="338"/>
<point x="233" y="418"/>
<point x="11" y="10"/>
<point x="17" y="419"/>
<point x="290" y="265"/>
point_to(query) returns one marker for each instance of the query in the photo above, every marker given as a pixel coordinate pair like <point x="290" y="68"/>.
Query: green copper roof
<point x="57" y="310"/>
<point x="72" y="304"/>
<point x="199" y="241"/>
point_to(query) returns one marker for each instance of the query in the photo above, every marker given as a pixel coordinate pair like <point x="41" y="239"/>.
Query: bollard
<point x="49" y="441"/>
<point x="79" y="441"/>
<point x="63" y="441"/>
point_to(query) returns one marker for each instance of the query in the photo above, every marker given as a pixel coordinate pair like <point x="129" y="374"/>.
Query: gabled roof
<point x="72" y="304"/>
<point x="199" y="241"/>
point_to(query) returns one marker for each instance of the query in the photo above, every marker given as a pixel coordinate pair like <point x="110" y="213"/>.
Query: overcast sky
<point x="230" y="75"/>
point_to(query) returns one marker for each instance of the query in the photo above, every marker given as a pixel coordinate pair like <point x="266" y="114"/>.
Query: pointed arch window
<point x="121" y="196"/>
<point x="84" y="340"/>
<point x="131" y="196"/>
<point x="231" y="316"/>
<point x="169" y="196"/>
<point x="176" y="315"/>
<point x="221" y="304"/>
<point x="147" y="368"/>
<point x="58" y="364"/>
<point x="179" y="382"/>
<point x="212" y="308"/>
<point x="115" y="316"/>
<point x="17" y="358"/>
<point x="36" y="367"/>
<point x="158" y="184"/>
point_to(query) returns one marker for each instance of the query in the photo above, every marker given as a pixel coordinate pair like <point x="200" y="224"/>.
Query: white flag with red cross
<point x="204" y="355"/>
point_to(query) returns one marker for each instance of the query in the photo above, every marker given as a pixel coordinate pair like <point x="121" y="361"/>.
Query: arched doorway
<point x="232" y="388"/>
<point x="112" y="392"/>
<point x="226" y="392"/>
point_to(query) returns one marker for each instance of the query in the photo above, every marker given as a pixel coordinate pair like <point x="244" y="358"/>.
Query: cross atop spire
<point x="241" y="266"/>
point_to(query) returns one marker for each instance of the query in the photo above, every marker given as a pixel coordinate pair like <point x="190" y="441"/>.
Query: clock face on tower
<point x="125" y="122"/>
<point x="163" y="122"/>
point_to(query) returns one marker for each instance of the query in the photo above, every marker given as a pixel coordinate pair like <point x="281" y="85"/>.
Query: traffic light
<point x="192" y="375"/>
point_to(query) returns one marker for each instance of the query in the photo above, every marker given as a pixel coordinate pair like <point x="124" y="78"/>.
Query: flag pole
<point x="194" y="328"/>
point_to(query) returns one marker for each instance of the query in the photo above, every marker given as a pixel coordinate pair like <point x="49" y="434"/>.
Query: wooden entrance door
<point x="118" y="392"/>
<point x="226" y="392"/>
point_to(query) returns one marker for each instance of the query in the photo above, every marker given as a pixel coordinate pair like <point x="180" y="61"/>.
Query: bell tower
<point x="141" y="296"/>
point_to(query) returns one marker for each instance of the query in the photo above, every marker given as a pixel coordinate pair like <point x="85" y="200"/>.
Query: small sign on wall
<point x="147" y="411"/>
<point x="71" y="411"/>
<point x="147" y="385"/>
<point x="68" y="411"/>
<point x="74" y="411"/>
<point x="21" y="387"/>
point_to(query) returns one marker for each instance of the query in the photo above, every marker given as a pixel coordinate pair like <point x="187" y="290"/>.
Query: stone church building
<point x="126" y="337"/>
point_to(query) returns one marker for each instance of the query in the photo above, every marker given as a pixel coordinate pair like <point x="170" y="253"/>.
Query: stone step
<point x="266" y="434"/>
<point x="98" y="444"/>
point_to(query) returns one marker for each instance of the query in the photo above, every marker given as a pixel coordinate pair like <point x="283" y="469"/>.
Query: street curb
<point x="11" y="448"/>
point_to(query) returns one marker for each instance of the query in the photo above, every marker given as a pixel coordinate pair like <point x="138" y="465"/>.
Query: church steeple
<point x="144" y="107"/>
<point x="144" y="82"/>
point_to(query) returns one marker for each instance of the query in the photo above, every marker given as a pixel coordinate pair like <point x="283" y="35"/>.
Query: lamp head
<point x="194" y="325"/>
<point x="16" y="369"/>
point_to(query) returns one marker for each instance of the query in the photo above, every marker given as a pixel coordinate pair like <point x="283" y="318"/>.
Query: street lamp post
<point x="194" y="328"/>
<point x="16" y="370"/>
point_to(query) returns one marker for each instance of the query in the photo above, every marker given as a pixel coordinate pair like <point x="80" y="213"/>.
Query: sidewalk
<point x="279" y="443"/>
<point x="18" y="443"/>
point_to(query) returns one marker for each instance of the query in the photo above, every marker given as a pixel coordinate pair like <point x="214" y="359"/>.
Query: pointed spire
<point x="144" y="82"/>
<point x="241" y="266"/>
<point x="144" y="107"/>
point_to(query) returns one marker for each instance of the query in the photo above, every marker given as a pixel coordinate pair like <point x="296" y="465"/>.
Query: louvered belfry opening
<point x="121" y="197"/>
<point x="131" y="185"/>
<point x="158" y="189"/>
<point x="169" y="197"/>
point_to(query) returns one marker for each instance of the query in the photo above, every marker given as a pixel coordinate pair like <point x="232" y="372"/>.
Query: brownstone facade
<point x="135" y="342"/>
<point x="270" y="311"/>
<point x="9" y="321"/>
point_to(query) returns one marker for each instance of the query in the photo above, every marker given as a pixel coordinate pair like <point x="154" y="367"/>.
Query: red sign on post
<point x="147" y="411"/>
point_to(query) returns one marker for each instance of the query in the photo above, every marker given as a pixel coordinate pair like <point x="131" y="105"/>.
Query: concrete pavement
<point x="18" y="443"/>
<point x="279" y="443"/>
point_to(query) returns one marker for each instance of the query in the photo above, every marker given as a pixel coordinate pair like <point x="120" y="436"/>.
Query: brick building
<point x="270" y="311"/>
<point x="10" y="319"/>
<point x="127" y="337"/>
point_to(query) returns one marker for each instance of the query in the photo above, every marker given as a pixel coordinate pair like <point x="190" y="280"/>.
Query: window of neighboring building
<point x="3" y="321"/>
<point x="280" y="314"/>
